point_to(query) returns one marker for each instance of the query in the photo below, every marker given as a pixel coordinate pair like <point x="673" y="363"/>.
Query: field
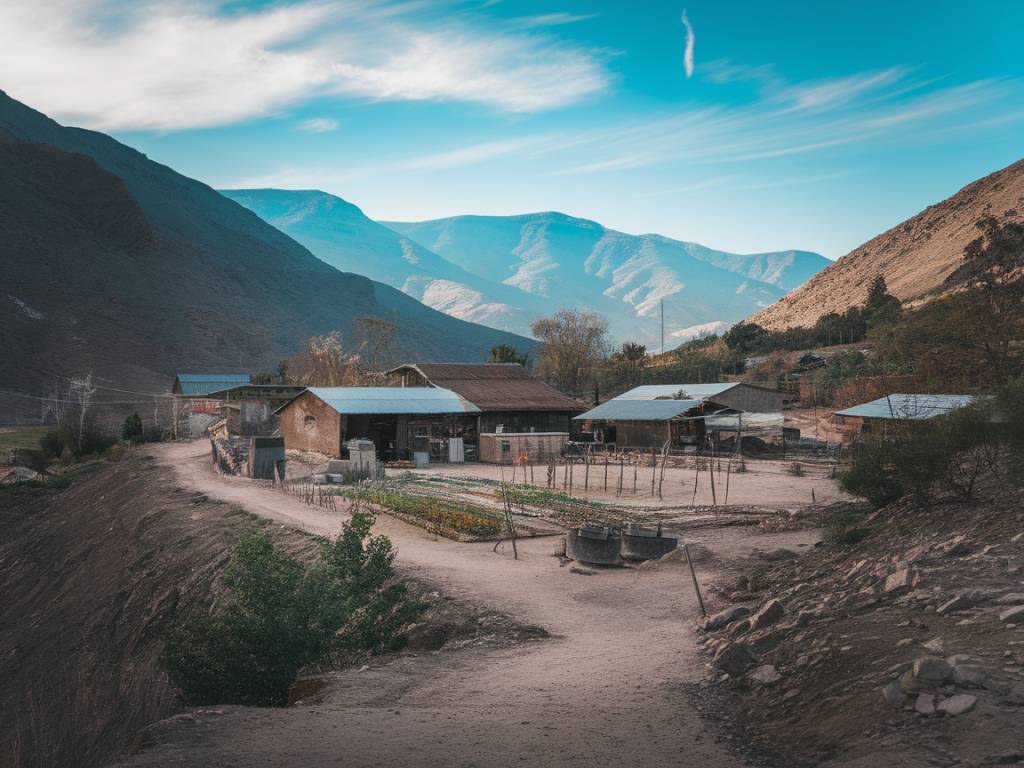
<point x="12" y="438"/>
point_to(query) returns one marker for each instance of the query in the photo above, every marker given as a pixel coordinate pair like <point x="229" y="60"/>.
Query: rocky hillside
<point x="916" y="257"/>
<point x="119" y="265"/>
<point x="339" y="233"/>
<point x="566" y="261"/>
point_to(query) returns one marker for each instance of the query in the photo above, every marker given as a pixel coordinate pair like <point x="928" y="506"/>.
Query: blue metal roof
<point x="393" y="400"/>
<point x="695" y="391"/>
<point x="909" y="406"/>
<point x="639" y="410"/>
<point x="195" y="384"/>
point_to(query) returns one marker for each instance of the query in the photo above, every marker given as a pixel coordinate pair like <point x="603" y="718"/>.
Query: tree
<point x="882" y="307"/>
<point x="745" y="337"/>
<point x="374" y="336"/>
<point x="324" y="362"/>
<point x="572" y="344"/>
<point x="504" y="353"/>
<point x="131" y="430"/>
<point x="630" y="359"/>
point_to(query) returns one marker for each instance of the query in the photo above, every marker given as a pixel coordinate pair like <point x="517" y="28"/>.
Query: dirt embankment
<point x="91" y="578"/>
<point x="908" y="644"/>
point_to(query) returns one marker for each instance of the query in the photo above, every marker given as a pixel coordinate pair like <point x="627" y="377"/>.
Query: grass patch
<point x="12" y="438"/>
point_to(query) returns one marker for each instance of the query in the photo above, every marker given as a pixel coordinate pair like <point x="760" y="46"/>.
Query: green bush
<point x="282" y="616"/>
<point x="131" y="430"/>
<point x="871" y="474"/>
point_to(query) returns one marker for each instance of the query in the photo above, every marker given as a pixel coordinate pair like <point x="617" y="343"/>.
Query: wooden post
<point x="693" y="575"/>
<point x="728" y="474"/>
<point x="606" y="473"/>
<point x="586" y="472"/>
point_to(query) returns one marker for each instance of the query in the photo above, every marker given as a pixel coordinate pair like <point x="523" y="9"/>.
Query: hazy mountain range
<point x="119" y="265"/>
<point x="505" y="271"/>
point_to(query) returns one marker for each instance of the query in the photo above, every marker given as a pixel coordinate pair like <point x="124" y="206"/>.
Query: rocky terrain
<point x="915" y="257"/>
<point x="911" y="641"/>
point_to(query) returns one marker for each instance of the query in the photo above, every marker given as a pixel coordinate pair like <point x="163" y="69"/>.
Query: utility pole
<point x="663" y="326"/>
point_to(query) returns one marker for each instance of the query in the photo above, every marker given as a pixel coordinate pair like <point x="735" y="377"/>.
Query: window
<point x="309" y="424"/>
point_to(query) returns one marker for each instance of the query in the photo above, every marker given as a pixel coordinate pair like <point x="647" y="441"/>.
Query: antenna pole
<point x="663" y="326"/>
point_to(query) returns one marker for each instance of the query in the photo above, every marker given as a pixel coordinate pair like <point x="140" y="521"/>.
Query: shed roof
<point x="391" y="400"/>
<point x="694" y="391"/>
<point x="904" y="406"/>
<point x="197" y="384"/>
<point x="639" y="410"/>
<point x="494" y="386"/>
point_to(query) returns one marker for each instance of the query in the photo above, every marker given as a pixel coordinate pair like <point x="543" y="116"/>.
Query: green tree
<point x="505" y="353"/>
<point x="573" y="343"/>
<point x="281" y="615"/>
<point x="745" y="337"/>
<point x="131" y="430"/>
<point x="882" y="308"/>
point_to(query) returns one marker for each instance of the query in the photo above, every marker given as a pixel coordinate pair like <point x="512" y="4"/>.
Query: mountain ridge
<point x="915" y="257"/>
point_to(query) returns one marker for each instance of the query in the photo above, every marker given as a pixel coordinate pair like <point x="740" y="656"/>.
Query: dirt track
<point x="610" y="689"/>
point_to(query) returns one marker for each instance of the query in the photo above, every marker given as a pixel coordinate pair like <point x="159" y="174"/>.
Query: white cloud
<point x="318" y="125"/>
<point x="195" y="63"/>
<point x="552" y="19"/>
<point x="690" y="40"/>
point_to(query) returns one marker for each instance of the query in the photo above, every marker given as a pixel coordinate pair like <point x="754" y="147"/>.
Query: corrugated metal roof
<point x="639" y="410"/>
<point x="695" y="391"/>
<point x="195" y="384"/>
<point x="393" y="400"/>
<point x="495" y="386"/>
<point x="904" y="406"/>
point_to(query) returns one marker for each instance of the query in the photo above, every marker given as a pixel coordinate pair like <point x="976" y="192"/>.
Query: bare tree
<point x="572" y="344"/>
<point x="81" y="391"/>
<point x="324" y="362"/>
<point x="374" y="336"/>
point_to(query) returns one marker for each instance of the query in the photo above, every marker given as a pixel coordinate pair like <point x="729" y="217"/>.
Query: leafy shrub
<point x="131" y="430"/>
<point x="871" y="474"/>
<point x="282" y="616"/>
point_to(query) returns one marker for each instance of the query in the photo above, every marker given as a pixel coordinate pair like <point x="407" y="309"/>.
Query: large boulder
<point x="899" y="583"/>
<point x="960" y="704"/>
<point x="734" y="659"/>
<point x="770" y="612"/>
<point x="931" y="670"/>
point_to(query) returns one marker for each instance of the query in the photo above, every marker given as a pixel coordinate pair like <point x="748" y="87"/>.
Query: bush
<point x="871" y="474"/>
<point x="282" y="616"/>
<point x="845" y="527"/>
<point x="131" y="430"/>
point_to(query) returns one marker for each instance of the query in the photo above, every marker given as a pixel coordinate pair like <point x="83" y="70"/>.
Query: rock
<point x="738" y="628"/>
<point x="932" y="670"/>
<point x="1014" y="598"/>
<point x="582" y="571"/>
<point x="1018" y="539"/>
<point x="925" y="704"/>
<point x="906" y="642"/>
<point x="909" y="683"/>
<point x="766" y="674"/>
<point x="734" y="659"/>
<point x="959" y="549"/>
<point x="900" y="582"/>
<point x="969" y="676"/>
<point x="960" y="704"/>
<point x="765" y="643"/>
<point x="935" y="644"/>
<point x="726" y="617"/>
<point x="893" y="694"/>
<point x="1013" y="615"/>
<point x="770" y="612"/>
<point x="958" y="603"/>
<point x="778" y="555"/>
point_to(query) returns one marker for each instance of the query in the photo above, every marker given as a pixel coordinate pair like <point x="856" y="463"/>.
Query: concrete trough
<point x="646" y="543"/>
<point x="598" y="545"/>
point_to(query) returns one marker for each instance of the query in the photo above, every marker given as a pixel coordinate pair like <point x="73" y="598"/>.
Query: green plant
<point x="282" y="615"/>
<point x="131" y="430"/>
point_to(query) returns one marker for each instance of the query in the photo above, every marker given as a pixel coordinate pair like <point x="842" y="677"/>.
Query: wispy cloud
<point x="197" y="63"/>
<point x="318" y="125"/>
<point x="552" y="19"/>
<point x="690" y="40"/>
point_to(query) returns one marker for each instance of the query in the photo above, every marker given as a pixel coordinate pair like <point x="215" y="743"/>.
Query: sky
<point x="744" y="126"/>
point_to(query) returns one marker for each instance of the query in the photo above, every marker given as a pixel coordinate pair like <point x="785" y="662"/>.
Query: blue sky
<point x="794" y="125"/>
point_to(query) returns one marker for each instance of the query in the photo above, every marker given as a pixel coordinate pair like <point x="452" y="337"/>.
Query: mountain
<point x="571" y="262"/>
<point x="337" y="232"/>
<point x="116" y="264"/>
<point x="915" y="257"/>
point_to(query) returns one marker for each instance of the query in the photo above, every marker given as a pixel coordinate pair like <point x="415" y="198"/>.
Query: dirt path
<point x="608" y="690"/>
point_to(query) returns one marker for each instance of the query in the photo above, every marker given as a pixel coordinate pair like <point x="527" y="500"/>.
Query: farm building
<point x="879" y="415"/>
<point x="195" y="404"/>
<point x="510" y="399"/>
<point x="401" y="422"/>
<point x="688" y="415"/>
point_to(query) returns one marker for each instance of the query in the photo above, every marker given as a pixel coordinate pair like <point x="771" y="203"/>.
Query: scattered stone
<point x="958" y="603"/>
<point x="766" y="674"/>
<point x="969" y="676"/>
<point x="925" y="704"/>
<point x="900" y="582"/>
<point x="734" y="659"/>
<point x="1013" y="615"/>
<point x="771" y="612"/>
<point x="582" y="571"/>
<point x="738" y="628"/>
<point x="906" y="642"/>
<point x="932" y="669"/>
<point x="778" y="555"/>
<point x="726" y="617"/>
<point x="960" y="704"/>
<point x="959" y="549"/>
<point x="893" y="694"/>
<point x="1014" y="598"/>
<point x="935" y="644"/>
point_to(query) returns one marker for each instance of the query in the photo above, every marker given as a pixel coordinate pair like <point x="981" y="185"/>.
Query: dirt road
<point x="609" y="689"/>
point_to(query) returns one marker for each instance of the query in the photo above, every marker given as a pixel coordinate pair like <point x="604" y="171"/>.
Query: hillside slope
<point x="119" y="265"/>
<point x="577" y="262"/>
<point x="340" y="234"/>
<point x="915" y="257"/>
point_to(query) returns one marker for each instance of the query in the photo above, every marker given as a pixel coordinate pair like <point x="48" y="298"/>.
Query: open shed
<point x="884" y="412"/>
